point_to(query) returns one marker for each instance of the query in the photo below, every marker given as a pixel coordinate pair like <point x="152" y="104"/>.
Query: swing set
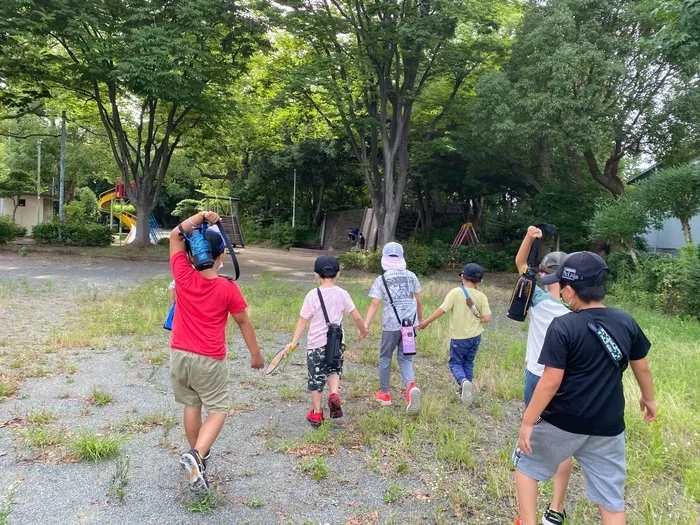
<point x="227" y="209"/>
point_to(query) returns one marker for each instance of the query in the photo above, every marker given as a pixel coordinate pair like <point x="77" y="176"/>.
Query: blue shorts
<point x="531" y="381"/>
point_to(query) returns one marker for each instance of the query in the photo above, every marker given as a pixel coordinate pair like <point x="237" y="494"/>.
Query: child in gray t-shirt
<point x="404" y="290"/>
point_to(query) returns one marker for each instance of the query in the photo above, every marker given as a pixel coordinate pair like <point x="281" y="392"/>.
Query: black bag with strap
<point x="334" y="337"/>
<point x="524" y="290"/>
<point x="609" y="344"/>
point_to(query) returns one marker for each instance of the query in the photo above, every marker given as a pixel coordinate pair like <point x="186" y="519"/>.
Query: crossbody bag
<point x="408" y="333"/>
<point x="470" y="303"/>
<point x="609" y="344"/>
<point x="334" y="337"/>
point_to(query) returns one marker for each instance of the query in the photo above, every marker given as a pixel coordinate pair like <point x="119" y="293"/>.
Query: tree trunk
<point x="607" y="178"/>
<point x="318" y="213"/>
<point x="387" y="228"/>
<point x="477" y="204"/>
<point x="685" y="223"/>
<point x="143" y="210"/>
<point x="544" y="159"/>
<point x="15" y="202"/>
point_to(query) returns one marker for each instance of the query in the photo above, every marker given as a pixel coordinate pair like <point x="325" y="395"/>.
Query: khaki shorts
<point x="200" y="381"/>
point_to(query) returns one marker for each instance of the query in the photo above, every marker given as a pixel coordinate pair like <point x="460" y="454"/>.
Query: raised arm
<point x="524" y="251"/>
<point x="177" y="242"/>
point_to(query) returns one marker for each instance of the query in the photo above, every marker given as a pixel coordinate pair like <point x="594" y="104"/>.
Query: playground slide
<point x="127" y="218"/>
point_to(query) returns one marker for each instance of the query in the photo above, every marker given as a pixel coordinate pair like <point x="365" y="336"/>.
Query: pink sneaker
<point x="336" y="410"/>
<point x="384" y="399"/>
<point x="412" y="399"/>
<point x="315" y="418"/>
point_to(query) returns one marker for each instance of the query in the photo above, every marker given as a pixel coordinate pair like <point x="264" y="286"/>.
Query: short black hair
<point x="471" y="279"/>
<point x="591" y="291"/>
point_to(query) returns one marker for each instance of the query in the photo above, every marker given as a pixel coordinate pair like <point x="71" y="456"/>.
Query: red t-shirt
<point x="202" y="309"/>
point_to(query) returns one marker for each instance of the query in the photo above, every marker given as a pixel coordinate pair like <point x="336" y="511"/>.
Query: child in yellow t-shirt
<point x="469" y="309"/>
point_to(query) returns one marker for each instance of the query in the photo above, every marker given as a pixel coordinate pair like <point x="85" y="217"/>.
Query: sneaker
<point x="315" y="418"/>
<point x="336" y="410"/>
<point x="552" y="517"/>
<point x="412" y="399"/>
<point x="518" y="521"/>
<point x="192" y="463"/>
<point x="205" y="460"/>
<point x="384" y="399"/>
<point x="467" y="393"/>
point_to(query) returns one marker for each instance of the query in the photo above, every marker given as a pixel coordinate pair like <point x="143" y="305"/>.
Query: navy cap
<point x="578" y="267"/>
<point x="326" y="264"/>
<point x="473" y="271"/>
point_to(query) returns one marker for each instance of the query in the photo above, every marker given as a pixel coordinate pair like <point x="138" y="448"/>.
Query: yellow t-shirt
<point x="463" y="323"/>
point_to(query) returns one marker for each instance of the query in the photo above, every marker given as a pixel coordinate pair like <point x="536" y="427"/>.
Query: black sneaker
<point x="205" y="460"/>
<point x="552" y="517"/>
<point x="192" y="463"/>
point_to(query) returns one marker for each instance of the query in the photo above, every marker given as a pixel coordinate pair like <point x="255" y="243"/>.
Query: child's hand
<point x="534" y="232"/>
<point x="257" y="361"/>
<point x="423" y="325"/>
<point x="649" y="409"/>
<point x="289" y="347"/>
<point x="211" y="217"/>
<point x="360" y="335"/>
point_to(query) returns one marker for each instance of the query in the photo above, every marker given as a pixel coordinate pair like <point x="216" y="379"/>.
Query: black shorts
<point x="318" y="370"/>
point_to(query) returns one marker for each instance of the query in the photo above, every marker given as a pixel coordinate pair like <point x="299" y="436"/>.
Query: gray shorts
<point x="602" y="459"/>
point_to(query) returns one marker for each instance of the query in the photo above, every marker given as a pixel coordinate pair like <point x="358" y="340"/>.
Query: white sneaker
<point x="467" y="393"/>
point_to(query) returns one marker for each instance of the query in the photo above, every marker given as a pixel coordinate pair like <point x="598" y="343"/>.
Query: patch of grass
<point x="393" y="492"/>
<point x="42" y="437"/>
<point x="89" y="446"/>
<point x="8" y="387"/>
<point x="146" y="423"/>
<point x="207" y="504"/>
<point x="454" y="449"/>
<point x="382" y="422"/>
<point x="157" y="359"/>
<point x="256" y="503"/>
<point x="317" y="468"/>
<point x="6" y="506"/>
<point x="289" y="393"/>
<point x="120" y="479"/>
<point x="99" y="397"/>
<point x="41" y="417"/>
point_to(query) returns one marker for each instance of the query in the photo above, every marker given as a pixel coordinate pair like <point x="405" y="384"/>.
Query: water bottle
<point x="200" y="249"/>
<point x="408" y="337"/>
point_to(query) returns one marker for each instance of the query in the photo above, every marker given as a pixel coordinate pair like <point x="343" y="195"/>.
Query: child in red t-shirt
<point x="198" y="368"/>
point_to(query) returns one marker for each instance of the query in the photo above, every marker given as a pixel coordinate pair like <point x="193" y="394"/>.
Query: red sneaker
<point x="518" y="521"/>
<point x="384" y="399"/>
<point x="334" y="406"/>
<point x="315" y="418"/>
<point x="412" y="399"/>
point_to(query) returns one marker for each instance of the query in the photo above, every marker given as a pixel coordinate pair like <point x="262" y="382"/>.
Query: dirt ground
<point x="40" y="294"/>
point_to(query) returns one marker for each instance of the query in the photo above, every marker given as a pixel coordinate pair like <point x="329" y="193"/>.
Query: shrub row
<point x="425" y="260"/>
<point x="75" y="234"/>
<point x="9" y="230"/>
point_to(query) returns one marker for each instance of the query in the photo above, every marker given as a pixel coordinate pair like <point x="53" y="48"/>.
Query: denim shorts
<point x="531" y="381"/>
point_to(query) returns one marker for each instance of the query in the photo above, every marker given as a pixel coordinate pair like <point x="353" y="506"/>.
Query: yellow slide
<point x="127" y="218"/>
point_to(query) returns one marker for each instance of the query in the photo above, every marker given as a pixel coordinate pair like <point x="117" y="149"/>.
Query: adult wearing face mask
<point x="198" y="367"/>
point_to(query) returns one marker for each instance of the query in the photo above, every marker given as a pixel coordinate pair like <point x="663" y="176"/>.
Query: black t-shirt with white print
<point x="590" y="399"/>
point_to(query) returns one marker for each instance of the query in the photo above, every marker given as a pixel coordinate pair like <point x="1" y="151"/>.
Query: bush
<point x="75" y="234"/>
<point x="370" y="261"/>
<point x="84" y="208"/>
<point x="284" y="236"/>
<point x="479" y="254"/>
<point x="9" y="230"/>
<point x="659" y="281"/>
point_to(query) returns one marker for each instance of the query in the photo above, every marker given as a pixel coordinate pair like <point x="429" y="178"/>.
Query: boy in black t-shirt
<point x="578" y="406"/>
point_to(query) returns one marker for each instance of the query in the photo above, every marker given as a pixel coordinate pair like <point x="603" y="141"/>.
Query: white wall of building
<point x="670" y="237"/>
<point x="27" y="215"/>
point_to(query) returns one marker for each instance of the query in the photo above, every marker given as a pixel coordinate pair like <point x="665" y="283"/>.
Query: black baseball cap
<point x="473" y="271"/>
<point x="326" y="265"/>
<point x="578" y="267"/>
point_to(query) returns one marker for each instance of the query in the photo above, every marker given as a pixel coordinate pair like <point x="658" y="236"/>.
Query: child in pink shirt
<point x="337" y="302"/>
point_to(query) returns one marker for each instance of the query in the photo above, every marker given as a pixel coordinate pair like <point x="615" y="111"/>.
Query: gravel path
<point x="255" y="483"/>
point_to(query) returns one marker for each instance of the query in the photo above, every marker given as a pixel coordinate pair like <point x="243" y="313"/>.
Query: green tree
<point x="14" y="185"/>
<point x="618" y="222"/>
<point x="673" y="192"/>
<point x="153" y="69"/>
<point x="585" y="80"/>
<point x="186" y="208"/>
<point x="370" y="60"/>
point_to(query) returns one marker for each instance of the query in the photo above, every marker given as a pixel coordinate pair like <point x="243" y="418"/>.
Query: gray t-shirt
<point x="403" y="285"/>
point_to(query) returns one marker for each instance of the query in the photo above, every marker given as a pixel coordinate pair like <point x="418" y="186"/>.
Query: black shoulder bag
<point x="609" y="344"/>
<point x="524" y="291"/>
<point x="334" y="337"/>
